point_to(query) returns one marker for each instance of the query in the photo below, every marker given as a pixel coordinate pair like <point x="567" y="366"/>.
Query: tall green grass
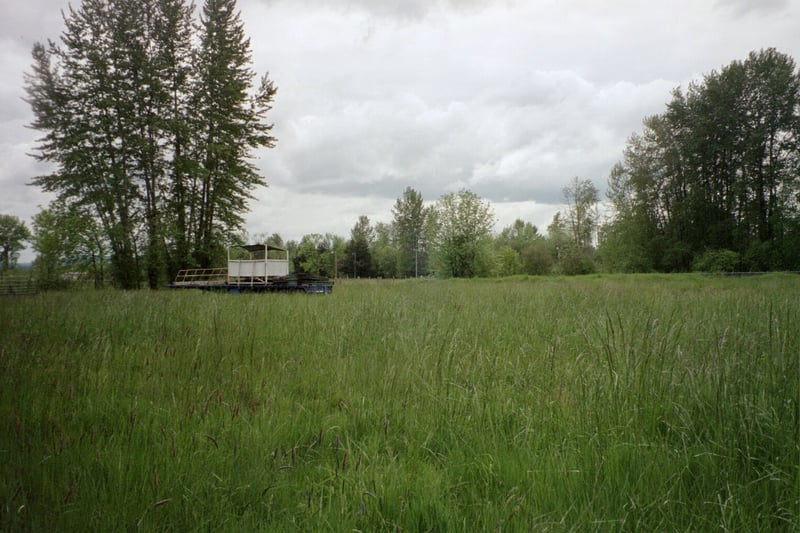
<point x="602" y="403"/>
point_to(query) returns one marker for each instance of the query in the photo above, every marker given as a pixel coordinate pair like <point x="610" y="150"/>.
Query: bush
<point x="676" y="256"/>
<point x="760" y="256"/>
<point x="507" y="262"/>
<point x="577" y="262"/>
<point x="716" y="261"/>
<point x="537" y="259"/>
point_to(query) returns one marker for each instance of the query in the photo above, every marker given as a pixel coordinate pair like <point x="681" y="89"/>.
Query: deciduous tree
<point x="67" y="241"/>
<point x="150" y="123"/>
<point x="410" y="220"/>
<point x="464" y="224"/>
<point x="530" y="251"/>
<point x="231" y="125"/>
<point x="716" y="171"/>
<point x="385" y="256"/>
<point x="13" y="233"/>
<point x="581" y="197"/>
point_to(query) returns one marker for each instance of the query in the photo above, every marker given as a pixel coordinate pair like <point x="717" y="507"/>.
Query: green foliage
<point x="518" y="235"/>
<point x="385" y="256"/>
<point x="357" y="260"/>
<point x="312" y="255"/>
<point x="648" y="403"/>
<point x="762" y="257"/>
<point x="13" y="233"/>
<point x="337" y="254"/>
<point x="576" y="262"/>
<point x="150" y="121"/>
<point x="318" y="254"/>
<point x="537" y="259"/>
<point x="581" y="197"/>
<point x="717" y="170"/>
<point x="571" y="234"/>
<point x="66" y="240"/>
<point x="508" y="261"/>
<point x="627" y="242"/>
<point x="565" y="256"/>
<point x="232" y="125"/>
<point x="410" y="218"/>
<point x="716" y="261"/>
<point x="620" y="251"/>
<point x="522" y="250"/>
<point x="558" y="235"/>
<point x="462" y="236"/>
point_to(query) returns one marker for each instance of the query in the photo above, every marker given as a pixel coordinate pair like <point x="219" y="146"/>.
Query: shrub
<point x="577" y="262"/>
<point x="716" y="261"/>
<point x="537" y="259"/>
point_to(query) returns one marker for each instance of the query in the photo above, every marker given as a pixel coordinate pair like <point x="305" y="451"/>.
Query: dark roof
<point x="260" y="247"/>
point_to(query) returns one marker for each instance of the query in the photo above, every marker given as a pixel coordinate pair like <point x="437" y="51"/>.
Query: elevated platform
<point x="265" y="269"/>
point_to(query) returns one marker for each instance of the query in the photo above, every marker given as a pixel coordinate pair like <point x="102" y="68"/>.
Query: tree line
<point x="715" y="178"/>
<point x="151" y="141"/>
<point x="454" y="237"/>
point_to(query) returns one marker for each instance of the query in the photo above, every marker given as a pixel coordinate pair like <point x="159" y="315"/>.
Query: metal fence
<point x="17" y="286"/>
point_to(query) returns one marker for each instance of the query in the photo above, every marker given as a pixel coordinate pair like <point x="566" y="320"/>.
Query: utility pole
<point x="416" y="257"/>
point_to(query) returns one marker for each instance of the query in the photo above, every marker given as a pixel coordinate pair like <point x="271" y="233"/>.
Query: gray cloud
<point x="402" y="10"/>
<point x="743" y="7"/>
<point x="510" y="98"/>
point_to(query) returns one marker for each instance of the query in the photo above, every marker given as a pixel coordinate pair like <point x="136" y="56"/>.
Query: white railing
<point x="256" y="271"/>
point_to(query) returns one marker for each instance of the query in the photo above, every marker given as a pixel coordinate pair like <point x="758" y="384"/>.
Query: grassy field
<point x="631" y="403"/>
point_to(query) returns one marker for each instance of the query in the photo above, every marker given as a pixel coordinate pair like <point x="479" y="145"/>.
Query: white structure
<point x="259" y="267"/>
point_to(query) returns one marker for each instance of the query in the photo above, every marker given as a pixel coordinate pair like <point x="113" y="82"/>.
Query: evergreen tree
<point x="358" y="258"/>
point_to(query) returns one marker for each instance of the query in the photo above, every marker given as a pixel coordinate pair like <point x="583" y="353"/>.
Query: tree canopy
<point x="410" y="222"/>
<point x="718" y="170"/>
<point x="463" y="223"/>
<point x="13" y="233"/>
<point x="358" y="257"/>
<point x="65" y="240"/>
<point x="151" y="121"/>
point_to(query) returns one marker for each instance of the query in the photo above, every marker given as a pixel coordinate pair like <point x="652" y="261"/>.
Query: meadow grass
<point x="609" y="403"/>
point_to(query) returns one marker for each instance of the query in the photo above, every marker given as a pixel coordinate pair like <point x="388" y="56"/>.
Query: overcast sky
<point x="508" y="98"/>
